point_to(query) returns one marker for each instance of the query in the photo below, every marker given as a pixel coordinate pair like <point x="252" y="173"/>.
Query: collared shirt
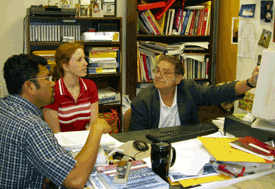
<point x="74" y="115"/>
<point x="169" y="116"/>
<point x="29" y="152"/>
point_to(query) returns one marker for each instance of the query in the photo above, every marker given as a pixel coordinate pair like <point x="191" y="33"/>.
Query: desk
<point x="140" y="135"/>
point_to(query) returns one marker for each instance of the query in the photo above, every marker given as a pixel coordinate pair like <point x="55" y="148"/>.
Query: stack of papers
<point x="74" y="141"/>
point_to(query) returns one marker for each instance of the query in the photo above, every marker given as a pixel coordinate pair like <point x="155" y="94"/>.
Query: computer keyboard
<point x="185" y="132"/>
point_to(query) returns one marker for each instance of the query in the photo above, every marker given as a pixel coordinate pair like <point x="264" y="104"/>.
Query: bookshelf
<point x="113" y="80"/>
<point x="132" y="37"/>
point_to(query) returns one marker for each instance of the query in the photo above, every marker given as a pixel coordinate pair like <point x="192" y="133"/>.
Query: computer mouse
<point x="140" y="145"/>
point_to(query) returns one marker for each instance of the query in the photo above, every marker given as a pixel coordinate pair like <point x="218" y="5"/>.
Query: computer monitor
<point x="264" y="100"/>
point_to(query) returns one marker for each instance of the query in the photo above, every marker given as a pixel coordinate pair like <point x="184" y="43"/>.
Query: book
<point x="160" y="13"/>
<point x="185" y="21"/>
<point x="92" y="70"/>
<point x="178" y="19"/>
<point x="171" y="21"/>
<point x="154" y="5"/>
<point x="149" y="67"/>
<point x="254" y="146"/>
<point x="207" y="27"/>
<point x="101" y="49"/>
<point x="152" y="24"/>
<point x="162" y="21"/>
<point x="142" y="28"/>
<point x="221" y="150"/>
<point x="103" y="54"/>
<point x="168" y="22"/>
<point x="103" y="65"/>
<point x="155" y="22"/>
<point x="145" y="67"/>
<point x="102" y="60"/>
<point x="181" y="22"/>
<point x="192" y="22"/>
<point x="145" y="20"/>
<point x="189" y="23"/>
<point x="196" y="22"/>
<point x="139" y="178"/>
<point x="200" y="22"/>
<point x="205" y="17"/>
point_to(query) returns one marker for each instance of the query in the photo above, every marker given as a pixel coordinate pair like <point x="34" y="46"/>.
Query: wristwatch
<point x="248" y="84"/>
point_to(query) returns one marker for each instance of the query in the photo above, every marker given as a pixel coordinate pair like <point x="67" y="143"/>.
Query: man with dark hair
<point x="173" y="101"/>
<point x="29" y="152"/>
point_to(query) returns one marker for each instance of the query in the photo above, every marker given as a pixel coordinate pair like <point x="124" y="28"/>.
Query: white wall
<point x="12" y="13"/>
<point x="245" y="66"/>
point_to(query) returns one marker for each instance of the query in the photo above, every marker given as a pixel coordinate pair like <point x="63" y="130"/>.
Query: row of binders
<point x="54" y="31"/>
<point x="191" y="20"/>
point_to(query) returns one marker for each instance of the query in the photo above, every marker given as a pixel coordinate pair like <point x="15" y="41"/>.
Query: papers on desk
<point x="74" y="141"/>
<point x="206" y="171"/>
<point x="191" y="156"/>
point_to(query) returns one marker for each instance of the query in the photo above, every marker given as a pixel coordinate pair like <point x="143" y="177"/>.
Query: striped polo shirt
<point x="74" y="116"/>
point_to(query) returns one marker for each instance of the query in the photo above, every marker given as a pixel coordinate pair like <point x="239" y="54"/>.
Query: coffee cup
<point x="163" y="156"/>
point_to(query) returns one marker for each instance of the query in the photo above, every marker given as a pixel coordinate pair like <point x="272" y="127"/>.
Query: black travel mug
<point x="163" y="156"/>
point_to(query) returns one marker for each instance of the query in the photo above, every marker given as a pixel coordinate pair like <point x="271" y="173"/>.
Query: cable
<point x="136" y="154"/>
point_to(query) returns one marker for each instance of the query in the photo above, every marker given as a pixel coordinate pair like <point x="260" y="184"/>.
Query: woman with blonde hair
<point x="76" y="99"/>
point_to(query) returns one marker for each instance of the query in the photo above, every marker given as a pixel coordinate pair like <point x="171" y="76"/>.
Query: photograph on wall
<point x="247" y="11"/>
<point x="235" y="30"/>
<point x="109" y="7"/>
<point x="265" y="38"/>
<point x="266" y="10"/>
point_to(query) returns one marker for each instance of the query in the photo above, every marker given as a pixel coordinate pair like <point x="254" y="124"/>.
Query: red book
<point x="254" y="146"/>
<point x="151" y="5"/>
<point x="200" y="22"/>
<point x="145" y="66"/>
<point x="168" y="4"/>
<point x="192" y="22"/>
<point x="203" y="29"/>
<point x="153" y="22"/>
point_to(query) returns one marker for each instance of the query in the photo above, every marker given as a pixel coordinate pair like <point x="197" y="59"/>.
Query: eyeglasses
<point x="163" y="73"/>
<point x="50" y="78"/>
